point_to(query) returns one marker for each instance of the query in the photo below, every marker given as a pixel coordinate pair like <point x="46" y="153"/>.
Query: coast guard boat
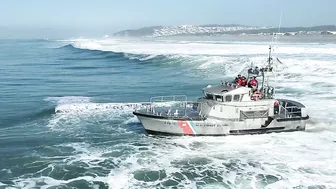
<point x="225" y="109"/>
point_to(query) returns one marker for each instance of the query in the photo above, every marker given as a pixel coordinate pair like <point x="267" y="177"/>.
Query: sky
<point x="108" y="16"/>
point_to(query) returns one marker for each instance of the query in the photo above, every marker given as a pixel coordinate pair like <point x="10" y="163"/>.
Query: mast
<point x="269" y="56"/>
<point x="269" y="68"/>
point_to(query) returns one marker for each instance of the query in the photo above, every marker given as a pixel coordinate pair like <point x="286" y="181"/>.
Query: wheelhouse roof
<point x="226" y="89"/>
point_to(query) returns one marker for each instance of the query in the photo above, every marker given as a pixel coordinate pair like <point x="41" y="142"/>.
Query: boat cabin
<point x="227" y="93"/>
<point x="230" y="101"/>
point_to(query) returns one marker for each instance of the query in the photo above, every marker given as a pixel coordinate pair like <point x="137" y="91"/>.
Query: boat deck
<point x="174" y="113"/>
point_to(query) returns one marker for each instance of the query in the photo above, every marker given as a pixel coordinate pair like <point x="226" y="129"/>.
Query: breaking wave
<point x="200" y="64"/>
<point x="200" y="48"/>
<point x="224" y="58"/>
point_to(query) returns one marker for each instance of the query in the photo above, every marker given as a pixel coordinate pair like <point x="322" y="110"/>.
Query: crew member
<point x="256" y="70"/>
<point x="253" y="83"/>
<point x="239" y="82"/>
<point x="243" y="81"/>
<point x="237" y="78"/>
<point x="276" y="107"/>
<point x="250" y="71"/>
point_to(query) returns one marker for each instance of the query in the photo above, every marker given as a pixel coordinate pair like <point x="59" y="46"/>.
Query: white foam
<point x="119" y="181"/>
<point x="73" y="117"/>
<point x="266" y="151"/>
<point x="96" y="107"/>
<point x="69" y="116"/>
<point x="101" y="107"/>
<point x="219" y="49"/>
<point x="299" y="158"/>
<point x="212" y="57"/>
<point x="88" y="45"/>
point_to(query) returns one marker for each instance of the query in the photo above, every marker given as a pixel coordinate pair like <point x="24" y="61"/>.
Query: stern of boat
<point x="292" y="114"/>
<point x="169" y="114"/>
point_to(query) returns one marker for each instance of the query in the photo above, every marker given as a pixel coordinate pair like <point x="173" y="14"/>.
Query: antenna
<point x="280" y="22"/>
<point x="271" y="49"/>
<point x="279" y="29"/>
<point x="274" y="41"/>
<point x="269" y="56"/>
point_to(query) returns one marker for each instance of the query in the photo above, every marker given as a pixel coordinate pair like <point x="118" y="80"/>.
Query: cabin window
<point x="209" y="96"/>
<point x="219" y="98"/>
<point x="228" y="98"/>
<point x="221" y="109"/>
<point x="236" y="97"/>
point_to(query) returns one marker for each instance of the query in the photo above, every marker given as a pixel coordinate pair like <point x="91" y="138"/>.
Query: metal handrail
<point x="173" y="98"/>
<point x="179" y="99"/>
<point x="292" y="107"/>
<point x="287" y="108"/>
<point x="242" y="105"/>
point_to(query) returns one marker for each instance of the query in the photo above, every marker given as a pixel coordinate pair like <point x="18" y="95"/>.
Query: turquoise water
<point x="94" y="141"/>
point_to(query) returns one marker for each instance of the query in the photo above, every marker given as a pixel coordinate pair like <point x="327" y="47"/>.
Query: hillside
<point x="233" y="29"/>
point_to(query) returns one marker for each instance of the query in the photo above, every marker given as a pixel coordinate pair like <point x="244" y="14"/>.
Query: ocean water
<point x="66" y="114"/>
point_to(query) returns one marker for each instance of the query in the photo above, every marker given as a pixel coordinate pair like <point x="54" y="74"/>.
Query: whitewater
<point x="68" y="119"/>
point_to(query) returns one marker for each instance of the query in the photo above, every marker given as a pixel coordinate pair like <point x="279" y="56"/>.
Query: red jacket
<point x="254" y="82"/>
<point x="239" y="82"/>
<point x="243" y="82"/>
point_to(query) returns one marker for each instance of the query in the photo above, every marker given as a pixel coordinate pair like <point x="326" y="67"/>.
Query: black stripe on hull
<point x="262" y="130"/>
<point x="292" y="119"/>
<point x="233" y="132"/>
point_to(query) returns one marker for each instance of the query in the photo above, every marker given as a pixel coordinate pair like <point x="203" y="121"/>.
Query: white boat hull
<point x="212" y="127"/>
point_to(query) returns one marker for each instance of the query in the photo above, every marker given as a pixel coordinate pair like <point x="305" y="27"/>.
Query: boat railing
<point x="158" y="102"/>
<point x="171" y="98"/>
<point x="242" y="106"/>
<point x="231" y="84"/>
<point x="289" y="111"/>
<point x="174" y="106"/>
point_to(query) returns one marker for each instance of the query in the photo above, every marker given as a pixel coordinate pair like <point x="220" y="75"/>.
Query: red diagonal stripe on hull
<point x="186" y="127"/>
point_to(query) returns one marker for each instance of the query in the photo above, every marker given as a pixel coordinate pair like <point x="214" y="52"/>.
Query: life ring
<point x="256" y="95"/>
